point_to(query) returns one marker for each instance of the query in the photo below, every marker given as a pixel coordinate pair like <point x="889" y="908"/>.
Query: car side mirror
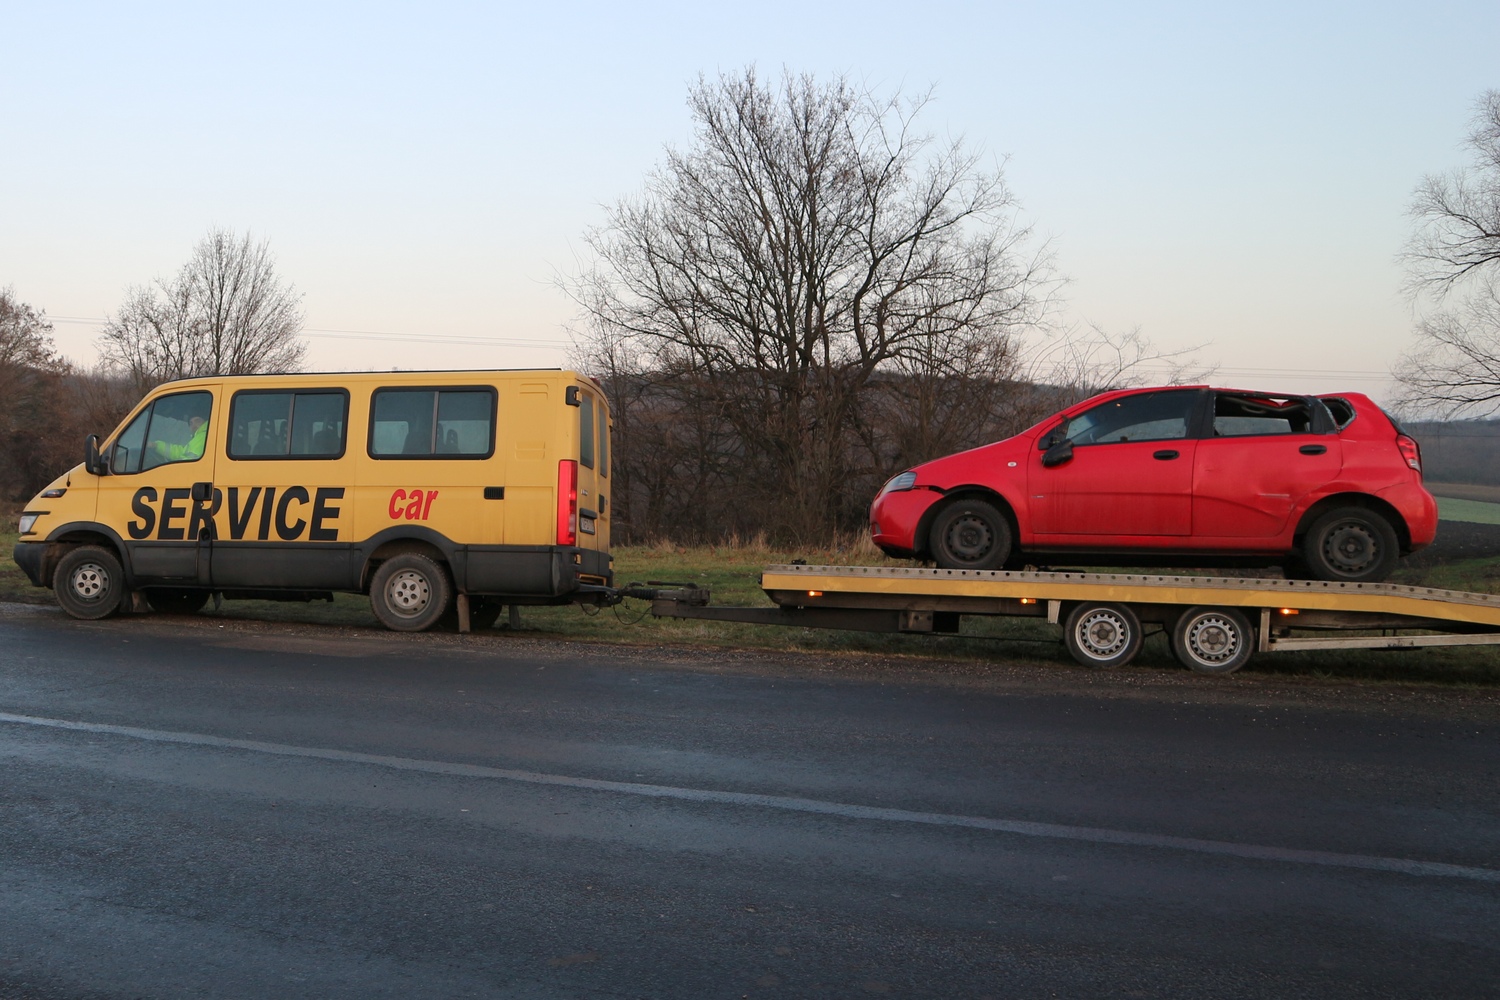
<point x="1058" y="453"/>
<point x="93" y="462"/>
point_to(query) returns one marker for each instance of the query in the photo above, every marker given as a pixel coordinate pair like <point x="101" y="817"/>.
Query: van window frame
<point x="319" y="391"/>
<point x="494" y="423"/>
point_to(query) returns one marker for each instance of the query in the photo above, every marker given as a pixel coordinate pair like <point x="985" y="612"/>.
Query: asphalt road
<point x="199" y="808"/>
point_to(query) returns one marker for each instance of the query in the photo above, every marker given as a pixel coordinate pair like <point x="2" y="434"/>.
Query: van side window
<point x="433" y="423"/>
<point x="303" y="424"/>
<point x="586" y="432"/>
<point x="172" y="429"/>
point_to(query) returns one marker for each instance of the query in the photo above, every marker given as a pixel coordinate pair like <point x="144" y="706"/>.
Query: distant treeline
<point x="1459" y="451"/>
<point x="47" y="414"/>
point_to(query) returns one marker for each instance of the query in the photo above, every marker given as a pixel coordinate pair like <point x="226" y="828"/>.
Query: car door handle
<point x="1166" y="455"/>
<point x="1313" y="449"/>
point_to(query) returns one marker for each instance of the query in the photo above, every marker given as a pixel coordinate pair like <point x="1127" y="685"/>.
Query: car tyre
<point x="410" y="592"/>
<point x="1213" y="640"/>
<point x="1102" y="635"/>
<point x="970" y="534"/>
<point x="176" y="600"/>
<point x="1350" y="545"/>
<point x="89" y="582"/>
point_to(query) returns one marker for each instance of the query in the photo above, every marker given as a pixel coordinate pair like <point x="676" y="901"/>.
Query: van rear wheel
<point x="89" y="582"/>
<point x="410" y="592"/>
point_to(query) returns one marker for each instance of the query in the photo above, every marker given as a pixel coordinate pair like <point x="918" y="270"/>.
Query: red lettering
<point x="395" y="510"/>
<point x="427" y="507"/>
<point x="414" y="509"/>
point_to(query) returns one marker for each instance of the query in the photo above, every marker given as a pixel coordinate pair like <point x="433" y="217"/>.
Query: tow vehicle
<point x="1215" y="624"/>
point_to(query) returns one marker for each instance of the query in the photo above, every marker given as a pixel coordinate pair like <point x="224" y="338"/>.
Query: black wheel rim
<point x="1350" y="547"/>
<point x="970" y="538"/>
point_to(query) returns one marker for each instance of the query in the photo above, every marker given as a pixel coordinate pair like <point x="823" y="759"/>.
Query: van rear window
<point x="586" y="432"/>
<point x="433" y="423"/>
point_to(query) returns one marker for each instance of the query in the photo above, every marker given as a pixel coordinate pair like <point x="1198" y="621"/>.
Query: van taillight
<point x="1410" y="451"/>
<point x="567" y="502"/>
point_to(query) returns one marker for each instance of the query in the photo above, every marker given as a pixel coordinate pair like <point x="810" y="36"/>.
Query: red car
<point x="1326" y="486"/>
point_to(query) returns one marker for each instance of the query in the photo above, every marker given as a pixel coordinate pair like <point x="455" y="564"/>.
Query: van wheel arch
<point x="398" y="547"/>
<point x="69" y="540"/>
<point x="924" y="526"/>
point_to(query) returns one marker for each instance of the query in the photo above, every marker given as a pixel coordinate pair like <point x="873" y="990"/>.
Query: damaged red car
<point x="1327" y="487"/>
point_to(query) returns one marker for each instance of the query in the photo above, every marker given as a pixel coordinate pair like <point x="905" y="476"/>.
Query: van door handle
<point x="1166" y="455"/>
<point x="1313" y="449"/>
<point x="494" y="492"/>
<point x="203" y="492"/>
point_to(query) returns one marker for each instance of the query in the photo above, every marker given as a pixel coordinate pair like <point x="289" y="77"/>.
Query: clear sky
<point x="1235" y="176"/>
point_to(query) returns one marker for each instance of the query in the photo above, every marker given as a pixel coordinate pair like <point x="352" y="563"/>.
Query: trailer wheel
<point x="410" y="592"/>
<point x="970" y="534"/>
<point x="89" y="582"/>
<point x="1102" y="635"/>
<point x="1213" y="640"/>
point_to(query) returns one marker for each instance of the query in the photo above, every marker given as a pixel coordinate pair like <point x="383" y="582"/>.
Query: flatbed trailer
<point x="1214" y="624"/>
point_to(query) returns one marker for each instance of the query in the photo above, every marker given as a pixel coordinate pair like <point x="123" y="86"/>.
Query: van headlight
<point x="905" y="481"/>
<point x="28" y="521"/>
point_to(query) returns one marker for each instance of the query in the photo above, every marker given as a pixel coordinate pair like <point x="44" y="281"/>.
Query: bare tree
<point x="1457" y="214"/>
<point x="1453" y="259"/>
<point x="226" y="312"/>
<point x="810" y="243"/>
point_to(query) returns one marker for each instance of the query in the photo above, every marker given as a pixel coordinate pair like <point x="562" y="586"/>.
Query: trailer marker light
<point x="814" y="593"/>
<point x="1028" y="600"/>
<point x="1290" y="611"/>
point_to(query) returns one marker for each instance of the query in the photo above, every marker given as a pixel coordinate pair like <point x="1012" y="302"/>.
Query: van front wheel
<point x="89" y="582"/>
<point x="410" y="592"/>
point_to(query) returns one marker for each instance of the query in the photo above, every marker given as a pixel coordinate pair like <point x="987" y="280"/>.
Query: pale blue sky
<point x="1236" y="176"/>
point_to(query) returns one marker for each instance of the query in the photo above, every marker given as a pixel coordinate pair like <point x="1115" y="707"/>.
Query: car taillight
<point x="567" y="502"/>
<point x="1410" y="451"/>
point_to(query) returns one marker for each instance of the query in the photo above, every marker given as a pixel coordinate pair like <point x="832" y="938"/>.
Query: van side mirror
<point x="1058" y="453"/>
<point x="93" y="463"/>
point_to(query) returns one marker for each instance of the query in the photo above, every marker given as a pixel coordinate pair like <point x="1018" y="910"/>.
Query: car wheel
<point x="410" y="592"/>
<point x="1350" y="544"/>
<point x="176" y="600"/>
<point x="1102" y="635"/>
<point x="89" y="582"/>
<point x="970" y="534"/>
<point x="1213" y="640"/>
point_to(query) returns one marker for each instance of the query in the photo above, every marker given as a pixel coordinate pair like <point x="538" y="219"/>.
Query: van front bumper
<point x="31" y="557"/>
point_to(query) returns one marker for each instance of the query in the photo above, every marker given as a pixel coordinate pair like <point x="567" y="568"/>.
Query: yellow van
<point x="427" y="490"/>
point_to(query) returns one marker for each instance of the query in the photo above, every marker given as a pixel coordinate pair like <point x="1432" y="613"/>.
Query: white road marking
<point x="1053" y="831"/>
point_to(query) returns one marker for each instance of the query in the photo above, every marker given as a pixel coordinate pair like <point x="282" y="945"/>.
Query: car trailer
<point x="1214" y="623"/>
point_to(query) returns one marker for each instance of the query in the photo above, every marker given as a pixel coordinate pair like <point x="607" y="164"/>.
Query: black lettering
<point x="290" y="531"/>
<point x="138" y="503"/>
<point x="322" y="511"/>
<point x="240" y="520"/>
<point x="203" y="516"/>
<point x="171" y="512"/>
<point x="265" y="514"/>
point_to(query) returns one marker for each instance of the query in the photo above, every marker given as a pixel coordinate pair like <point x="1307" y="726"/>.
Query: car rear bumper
<point x="1417" y="508"/>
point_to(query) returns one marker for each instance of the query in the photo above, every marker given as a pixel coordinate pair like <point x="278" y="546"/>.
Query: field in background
<point x="732" y="573"/>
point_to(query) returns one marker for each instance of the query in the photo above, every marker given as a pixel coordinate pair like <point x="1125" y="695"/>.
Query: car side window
<point x="1247" y="415"/>
<point x="1146" y="416"/>
<point x="171" y="429"/>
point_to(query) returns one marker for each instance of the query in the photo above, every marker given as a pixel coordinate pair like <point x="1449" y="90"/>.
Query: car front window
<point x="1147" y="416"/>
